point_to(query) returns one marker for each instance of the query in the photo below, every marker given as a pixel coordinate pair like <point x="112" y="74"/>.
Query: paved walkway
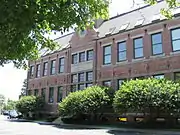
<point x="16" y="127"/>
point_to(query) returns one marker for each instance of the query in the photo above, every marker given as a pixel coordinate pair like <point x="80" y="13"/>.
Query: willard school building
<point x="137" y="44"/>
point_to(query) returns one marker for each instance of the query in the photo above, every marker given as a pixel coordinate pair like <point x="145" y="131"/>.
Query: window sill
<point x="107" y="65"/>
<point x="138" y="59"/>
<point x="175" y="53"/>
<point x="159" y="55"/>
<point x="122" y="62"/>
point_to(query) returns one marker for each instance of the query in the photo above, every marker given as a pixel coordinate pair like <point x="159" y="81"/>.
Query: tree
<point x="24" y="88"/>
<point x="167" y="12"/>
<point x="149" y="96"/>
<point x="2" y="101"/>
<point x="90" y="101"/>
<point x="24" y="24"/>
<point x="30" y="104"/>
<point x="10" y="105"/>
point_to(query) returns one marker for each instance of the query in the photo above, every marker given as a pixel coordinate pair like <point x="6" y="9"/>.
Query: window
<point x="74" y="78"/>
<point x="80" y="86"/>
<point x="89" y="76"/>
<point x="139" y="22"/>
<point x="159" y="76"/>
<point x="107" y="83"/>
<point x="120" y="82"/>
<point x="53" y="67"/>
<point x="74" y="59"/>
<point x="51" y="94"/>
<point x="138" y="48"/>
<point x="156" y="44"/>
<point x="60" y="94"/>
<point x="175" y="35"/>
<point x="38" y="69"/>
<point x="81" y="77"/>
<point x="124" y="26"/>
<point x="121" y="51"/>
<point x="29" y="92"/>
<point x="61" y="65"/>
<point x="43" y="93"/>
<point x="89" y="84"/>
<point x="107" y="55"/>
<point x="89" y="55"/>
<point x="82" y="57"/>
<point x="45" y="68"/>
<point x="36" y="92"/>
<point x="177" y="76"/>
<point x="31" y="71"/>
<point x="73" y="88"/>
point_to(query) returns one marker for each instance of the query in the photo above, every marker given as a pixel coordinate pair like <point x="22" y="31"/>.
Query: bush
<point x="30" y="104"/>
<point x="152" y="96"/>
<point x="89" y="102"/>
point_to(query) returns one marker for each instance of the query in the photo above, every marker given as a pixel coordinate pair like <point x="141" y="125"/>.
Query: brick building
<point x="137" y="44"/>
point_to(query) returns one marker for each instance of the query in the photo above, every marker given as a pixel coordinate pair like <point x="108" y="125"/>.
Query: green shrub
<point x="90" y="101"/>
<point x="151" y="96"/>
<point x="30" y="104"/>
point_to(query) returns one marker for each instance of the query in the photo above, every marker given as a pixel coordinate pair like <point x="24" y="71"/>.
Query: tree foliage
<point x="92" y="100"/>
<point x="23" y="24"/>
<point x="2" y="100"/>
<point x="24" y="88"/>
<point x="10" y="105"/>
<point x="151" y="96"/>
<point x="30" y="104"/>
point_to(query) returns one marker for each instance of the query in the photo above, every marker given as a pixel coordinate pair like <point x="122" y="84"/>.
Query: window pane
<point x="138" y="53"/>
<point x="74" y="59"/>
<point x="176" y="45"/>
<point x="90" y="55"/>
<point x="53" y="64"/>
<point x="38" y="70"/>
<point x="73" y="88"/>
<point x="107" y="50"/>
<point x="107" y="59"/>
<point x="120" y="82"/>
<point x="107" y="83"/>
<point x="156" y="38"/>
<point x="51" y="95"/>
<point x="61" y="65"/>
<point x="89" y="84"/>
<point x="89" y="76"/>
<point x="81" y="77"/>
<point x="176" y="76"/>
<point x="31" y="71"/>
<point x="82" y="57"/>
<point x="43" y="93"/>
<point x="61" y="61"/>
<point x="45" y="68"/>
<point x="138" y="42"/>
<point x="175" y="34"/>
<point x="122" y="56"/>
<point x="74" y="78"/>
<point x="60" y="94"/>
<point x="81" y="87"/>
<point x="157" y="49"/>
<point x="159" y="76"/>
<point x="122" y="46"/>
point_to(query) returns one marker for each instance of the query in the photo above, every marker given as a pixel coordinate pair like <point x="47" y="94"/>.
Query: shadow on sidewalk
<point x="73" y="127"/>
<point x="116" y="132"/>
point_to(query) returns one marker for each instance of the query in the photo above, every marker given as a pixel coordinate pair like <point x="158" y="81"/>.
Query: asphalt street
<point x="16" y="127"/>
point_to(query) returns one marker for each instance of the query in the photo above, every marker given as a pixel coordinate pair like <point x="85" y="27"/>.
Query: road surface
<point x="15" y="127"/>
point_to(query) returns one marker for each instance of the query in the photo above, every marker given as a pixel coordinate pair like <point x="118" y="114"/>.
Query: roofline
<point x="63" y="36"/>
<point x="145" y="6"/>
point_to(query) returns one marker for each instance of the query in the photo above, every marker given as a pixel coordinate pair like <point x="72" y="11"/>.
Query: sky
<point x="11" y="78"/>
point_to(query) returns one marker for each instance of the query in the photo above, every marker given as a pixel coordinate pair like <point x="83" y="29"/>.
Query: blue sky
<point x="11" y="79"/>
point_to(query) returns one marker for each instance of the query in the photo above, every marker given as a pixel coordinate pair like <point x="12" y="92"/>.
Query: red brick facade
<point x="166" y="63"/>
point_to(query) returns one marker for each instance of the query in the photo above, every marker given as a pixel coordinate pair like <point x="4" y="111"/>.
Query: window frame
<point x="73" y="79"/>
<point x="118" y="52"/>
<point x="154" y="76"/>
<point x="175" y="77"/>
<point x="87" y="55"/>
<point x="152" y="45"/>
<point x="53" y="67"/>
<point x="61" y="66"/>
<point x="81" y="84"/>
<point x="32" y="68"/>
<point x="174" y="40"/>
<point x="104" y="55"/>
<point x="43" y="93"/>
<point x="38" y="70"/>
<point x="79" y="79"/>
<point x="73" y="55"/>
<point x="59" y="92"/>
<point x="36" y="92"/>
<point x="88" y="76"/>
<point x="44" y="69"/>
<point x="80" y="54"/>
<point x="134" y="49"/>
<point x="106" y="82"/>
<point x="51" y="96"/>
